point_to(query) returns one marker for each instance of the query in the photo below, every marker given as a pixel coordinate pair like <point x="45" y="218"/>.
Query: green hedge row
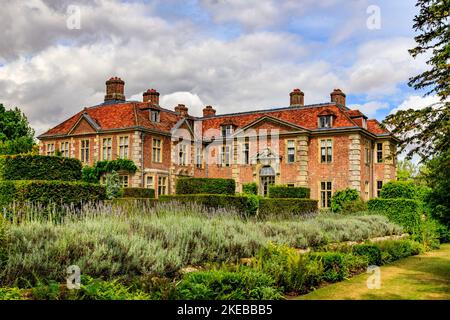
<point x="93" y="174"/>
<point x="398" y="189"/>
<point x="247" y="205"/>
<point x="272" y="207"/>
<point x="36" y="167"/>
<point x="46" y="192"/>
<point x="405" y="212"/>
<point x="138" y="193"/>
<point x="250" y="188"/>
<point x="205" y="185"/>
<point x="280" y="191"/>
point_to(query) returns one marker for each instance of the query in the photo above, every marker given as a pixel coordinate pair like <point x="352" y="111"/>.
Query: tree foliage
<point x="16" y="135"/>
<point x="427" y="130"/>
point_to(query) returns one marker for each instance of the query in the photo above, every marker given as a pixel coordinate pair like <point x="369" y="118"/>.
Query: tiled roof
<point x="375" y="127"/>
<point x="355" y="113"/>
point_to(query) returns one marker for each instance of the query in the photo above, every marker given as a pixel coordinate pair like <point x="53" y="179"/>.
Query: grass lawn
<point x="426" y="276"/>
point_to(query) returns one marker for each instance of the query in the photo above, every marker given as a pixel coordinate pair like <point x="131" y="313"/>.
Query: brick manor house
<point x="326" y="147"/>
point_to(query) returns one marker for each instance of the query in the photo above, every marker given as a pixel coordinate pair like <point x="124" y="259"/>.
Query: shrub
<point x="205" y="185"/>
<point x="46" y="291"/>
<point x="354" y="206"/>
<point x="250" y="188"/>
<point x="245" y="204"/>
<point x="398" y="189"/>
<point x="334" y="264"/>
<point x="11" y="294"/>
<point x="93" y="174"/>
<point x="36" y="167"/>
<point x="343" y="197"/>
<point x="3" y="240"/>
<point x="113" y="189"/>
<point x="356" y="264"/>
<point x="280" y="191"/>
<point x="291" y="271"/>
<point x="392" y="250"/>
<point x="402" y="211"/>
<point x="371" y="251"/>
<point x="272" y="207"/>
<point x="245" y="284"/>
<point x="46" y="192"/>
<point x="138" y="193"/>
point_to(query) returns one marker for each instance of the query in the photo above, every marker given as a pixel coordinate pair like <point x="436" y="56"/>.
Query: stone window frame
<point x="182" y="155"/>
<point x="327" y="116"/>
<point x="152" y="184"/>
<point x="160" y="148"/>
<point x="157" y="115"/>
<point x="119" y="146"/>
<point x="124" y="180"/>
<point x="287" y="151"/>
<point x="378" y="182"/>
<point x="66" y="151"/>
<point x="328" y="196"/>
<point x="50" y="151"/>
<point x="86" y="161"/>
<point x="199" y="157"/>
<point x="326" y="150"/>
<point x="367" y="154"/>
<point x="102" y="146"/>
<point x="379" y="153"/>
<point x="222" y="155"/>
<point x="164" y="178"/>
<point x="228" y="129"/>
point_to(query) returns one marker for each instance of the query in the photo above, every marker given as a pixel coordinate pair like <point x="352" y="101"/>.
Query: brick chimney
<point x="152" y="96"/>
<point x="182" y="110"/>
<point x="208" y="111"/>
<point x="115" y="89"/>
<point x="297" y="98"/>
<point x="338" y="96"/>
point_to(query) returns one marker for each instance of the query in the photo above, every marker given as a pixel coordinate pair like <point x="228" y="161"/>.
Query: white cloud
<point x="370" y="108"/>
<point x="192" y="101"/>
<point x="416" y="102"/>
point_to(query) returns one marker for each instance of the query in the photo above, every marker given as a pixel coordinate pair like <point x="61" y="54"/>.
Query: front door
<point x="267" y="177"/>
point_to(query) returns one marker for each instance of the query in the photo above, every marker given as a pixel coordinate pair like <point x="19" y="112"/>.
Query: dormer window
<point x="326" y="121"/>
<point x="227" y="130"/>
<point x="364" y="123"/>
<point x="154" y="115"/>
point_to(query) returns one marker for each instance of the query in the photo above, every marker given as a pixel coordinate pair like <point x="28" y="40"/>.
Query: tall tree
<point x="427" y="130"/>
<point x="16" y="135"/>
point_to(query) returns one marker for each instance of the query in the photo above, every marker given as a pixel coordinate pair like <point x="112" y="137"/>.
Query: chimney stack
<point x="297" y="98"/>
<point x="338" y="96"/>
<point x="152" y="96"/>
<point x="208" y="111"/>
<point x="115" y="89"/>
<point x="182" y="110"/>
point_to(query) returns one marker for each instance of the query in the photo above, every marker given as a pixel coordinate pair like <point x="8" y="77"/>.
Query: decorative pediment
<point x="85" y="124"/>
<point x="270" y="123"/>
<point x="265" y="157"/>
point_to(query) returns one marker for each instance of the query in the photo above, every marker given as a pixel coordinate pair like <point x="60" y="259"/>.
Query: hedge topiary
<point x="46" y="192"/>
<point x="398" y="189"/>
<point x="37" y="167"/>
<point x="250" y="188"/>
<point x="280" y="191"/>
<point x="405" y="212"/>
<point x="371" y="251"/>
<point x="139" y="193"/>
<point x="93" y="174"/>
<point x="284" y="207"/>
<point x="247" y="204"/>
<point x="343" y="197"/>
<point x="205" y="186"/>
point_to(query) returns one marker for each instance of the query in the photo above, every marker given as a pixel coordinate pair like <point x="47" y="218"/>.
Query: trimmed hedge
<point x="371" y="251"/>
<point x="93" y="174"/>
<point x="342" y="198"/>
<point x="250" y="188"/>
<point x="247" y="205"/>
<point x="405" y="212"/>
<point x="205" y="185"/>
<point x="271" y="207"/>
<point x="138" y="193"/>
<point x="37" y="167"/>
<point x="46" y="192"/>
<point x="277" y="191"/>
<point x="398" y="189"/>
<point x="335" y="267"/>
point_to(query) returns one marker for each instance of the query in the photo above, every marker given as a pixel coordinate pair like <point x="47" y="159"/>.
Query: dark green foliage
<point x="343" y="197"/>
<point x="96" y="289"/>
<point x="36" y="167"/>
<point x="398" y="189"/>
<point x="247" y="204"/>
<point x="46" y="192"/>
<point x="3" y="240"/>
<point x="279" y="191"/>
<point x="334" y="265"/>
<point x="138" y="193"/>
<point x="16" y="135"/>
<point x="272" y="207"/>
<point x="250" y="188"/>
<point x="392" y="250"/>
<point x="371" y="251"/>
<point x="46" y="291"/>
<point x="245" y="284"/>
<point x="205" y="185"/>
<point x="402" y="211"/>
<point x="93" y="174"/>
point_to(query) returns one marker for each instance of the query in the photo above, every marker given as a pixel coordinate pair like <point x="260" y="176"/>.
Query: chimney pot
<point x="115" y="89"/>
<point x="338" y="97"/>
<point x="209" y="111"/>
<point x="182" y="110"/>
<point x="297" y="98"/>
<point x="152" y="96"/>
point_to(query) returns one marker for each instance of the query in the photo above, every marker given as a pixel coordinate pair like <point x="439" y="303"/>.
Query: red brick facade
<point x="300" y="145"/>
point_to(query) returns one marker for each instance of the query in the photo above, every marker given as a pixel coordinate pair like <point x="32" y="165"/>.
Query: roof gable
<point x="85" y="124"/>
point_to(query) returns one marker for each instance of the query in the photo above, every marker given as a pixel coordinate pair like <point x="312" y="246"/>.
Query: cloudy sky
<point x="236" y="55"/>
